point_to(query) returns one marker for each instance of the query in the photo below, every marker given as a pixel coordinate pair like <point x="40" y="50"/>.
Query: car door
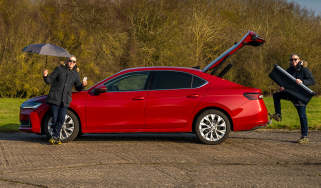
<point x="171" y="101"/>
<point x="121" y="107"/>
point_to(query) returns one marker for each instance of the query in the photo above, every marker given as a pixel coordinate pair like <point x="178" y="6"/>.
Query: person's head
<point x="294" y="60"/>
<point x="71" y="62"/>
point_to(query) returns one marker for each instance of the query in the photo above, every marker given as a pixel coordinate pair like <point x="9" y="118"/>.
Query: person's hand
<point x="282" y="88"/>
<point x="84" y="81"/>
<point x="45" y="73"/>
<point x="298" y="81"/>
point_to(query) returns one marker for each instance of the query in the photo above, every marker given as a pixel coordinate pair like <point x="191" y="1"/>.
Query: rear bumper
<point x="255" y="116"/>
<point x="260" y="126"/>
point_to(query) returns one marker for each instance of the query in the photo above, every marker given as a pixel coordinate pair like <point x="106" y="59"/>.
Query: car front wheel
<point x="69" y="130"/>
<point x="212" y="127"/>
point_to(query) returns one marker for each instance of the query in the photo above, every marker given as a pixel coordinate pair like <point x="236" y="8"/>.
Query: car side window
<point x="171" y="80"/>
<point x="197" y="82"/>
<point x="128" y="82"/>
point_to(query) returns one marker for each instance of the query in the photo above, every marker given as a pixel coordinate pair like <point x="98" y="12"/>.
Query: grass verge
<point x="9" y="114"/>
<point x="290" y="117"/>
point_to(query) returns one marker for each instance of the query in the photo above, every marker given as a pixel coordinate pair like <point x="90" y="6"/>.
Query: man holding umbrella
<point x="62" y="80"/>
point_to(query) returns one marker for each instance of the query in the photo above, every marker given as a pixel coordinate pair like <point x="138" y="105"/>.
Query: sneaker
<point x="276" y="117"/>
<point x="58" y="142"/>
<point x="303" y="140"/>
<point x="52" y="141"/>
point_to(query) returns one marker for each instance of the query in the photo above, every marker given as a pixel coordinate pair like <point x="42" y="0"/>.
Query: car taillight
<point x="253" y="96"/>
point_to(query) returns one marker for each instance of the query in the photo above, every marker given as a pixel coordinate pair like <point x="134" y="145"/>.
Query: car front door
<point x="121" y="107"/>
<point x="171" y="100"/>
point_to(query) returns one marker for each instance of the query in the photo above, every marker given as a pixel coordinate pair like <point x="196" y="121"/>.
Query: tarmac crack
<point x="4" y="154"/>
<point x="167" y="174"/>
<point x="20" y="182"/>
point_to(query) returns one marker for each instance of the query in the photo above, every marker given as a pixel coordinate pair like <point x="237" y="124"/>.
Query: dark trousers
<point x="300" y="108"/>
<point x="58" y="118"/>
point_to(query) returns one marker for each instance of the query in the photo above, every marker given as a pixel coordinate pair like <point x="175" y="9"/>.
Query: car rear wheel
<point x="69" y="130"/>
<point x="212" y="127"/>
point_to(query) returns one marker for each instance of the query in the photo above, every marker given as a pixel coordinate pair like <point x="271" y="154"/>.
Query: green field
<point x="290" y="118"/>
<point x="9" y="114"/>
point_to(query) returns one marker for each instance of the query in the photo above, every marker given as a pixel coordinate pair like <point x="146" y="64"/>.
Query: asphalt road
<point x="262" y="158"/>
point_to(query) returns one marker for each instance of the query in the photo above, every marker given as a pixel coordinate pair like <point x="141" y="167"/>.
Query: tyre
<point x="212" y="127"/>
<point x="69" y="130"/>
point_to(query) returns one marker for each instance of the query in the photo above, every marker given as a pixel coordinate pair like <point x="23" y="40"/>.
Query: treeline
<point x="110" y="35"/>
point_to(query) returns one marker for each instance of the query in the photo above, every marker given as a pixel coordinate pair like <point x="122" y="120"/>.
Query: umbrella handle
<point x="46" y="62"/>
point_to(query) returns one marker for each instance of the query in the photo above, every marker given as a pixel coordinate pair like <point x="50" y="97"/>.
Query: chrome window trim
<point x="148" y="72"/>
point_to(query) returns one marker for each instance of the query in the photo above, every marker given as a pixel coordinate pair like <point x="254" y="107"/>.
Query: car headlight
<point x="30" y="104"/>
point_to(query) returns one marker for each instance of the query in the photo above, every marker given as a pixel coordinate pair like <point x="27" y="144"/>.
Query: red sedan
<point x="158" y="99"/>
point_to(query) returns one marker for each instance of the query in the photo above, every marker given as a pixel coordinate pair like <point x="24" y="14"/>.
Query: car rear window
<point x="197" y="82"/>
<point x="171" y="80"/>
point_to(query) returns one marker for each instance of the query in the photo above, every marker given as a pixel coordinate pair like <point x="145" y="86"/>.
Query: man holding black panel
<point x="303" y="76"/>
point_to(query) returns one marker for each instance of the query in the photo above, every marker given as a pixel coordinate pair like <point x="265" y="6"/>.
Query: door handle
<point x="138" y="98"/>
<point x="193" y="96"/>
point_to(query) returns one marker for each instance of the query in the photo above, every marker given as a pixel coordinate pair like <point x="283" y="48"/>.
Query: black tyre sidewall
<point x="201" y="116"/>
<point x="76" y="129"/>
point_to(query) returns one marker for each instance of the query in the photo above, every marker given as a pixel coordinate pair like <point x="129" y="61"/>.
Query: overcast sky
<point x="314" y="5"/>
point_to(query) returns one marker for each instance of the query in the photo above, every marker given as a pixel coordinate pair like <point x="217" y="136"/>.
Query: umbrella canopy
<point x="46" y="49"/>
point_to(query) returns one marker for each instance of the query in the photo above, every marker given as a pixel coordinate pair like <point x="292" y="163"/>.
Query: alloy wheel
<point x="66" y="130"/>
<point x="212" y="127"/>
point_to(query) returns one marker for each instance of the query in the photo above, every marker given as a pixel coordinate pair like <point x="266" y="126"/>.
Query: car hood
<point x="43" y="98"/>
<point x="38" y="99"/>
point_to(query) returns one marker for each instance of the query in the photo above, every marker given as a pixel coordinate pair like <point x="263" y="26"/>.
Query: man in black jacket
<point x="62" y="80"/>
<point x="303" y="76"/>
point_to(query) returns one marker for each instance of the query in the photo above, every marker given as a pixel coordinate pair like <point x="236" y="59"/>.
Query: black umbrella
<point x="46" y="49"/>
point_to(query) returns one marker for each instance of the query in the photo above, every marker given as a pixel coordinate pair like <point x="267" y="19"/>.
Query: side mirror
<point x="99" y="90"/>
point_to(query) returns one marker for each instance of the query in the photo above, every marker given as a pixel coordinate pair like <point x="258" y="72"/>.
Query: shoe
<point x="303" y="140"/>
<point x="52" y="141"/>
<point x="276" y="117"/>
<point x="58" y="142"/>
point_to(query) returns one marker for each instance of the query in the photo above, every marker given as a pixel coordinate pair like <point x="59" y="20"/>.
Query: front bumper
<point x="31" y="119"/>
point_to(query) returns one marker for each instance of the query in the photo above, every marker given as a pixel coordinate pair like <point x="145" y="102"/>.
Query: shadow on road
<point x="157" y="137"/>
<point x="25" y="137"/>
<point x="252" y="136"/>
<point x="266" y="139"/>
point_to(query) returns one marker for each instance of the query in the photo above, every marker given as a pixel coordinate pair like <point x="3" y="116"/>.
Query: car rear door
<point x="171" y="101"/>
<point x="121" y="107"/>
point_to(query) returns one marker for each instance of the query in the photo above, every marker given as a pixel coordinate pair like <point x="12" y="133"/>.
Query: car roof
<point x="163" y="68"/>
<point x="194" y="71"/>
<point x="157" y="68"/>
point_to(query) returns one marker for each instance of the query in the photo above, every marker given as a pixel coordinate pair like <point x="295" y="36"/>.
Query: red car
<point x="158" y="99"/>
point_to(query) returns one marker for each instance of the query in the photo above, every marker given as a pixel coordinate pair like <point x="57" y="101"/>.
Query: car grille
<point x="25" y="124"/>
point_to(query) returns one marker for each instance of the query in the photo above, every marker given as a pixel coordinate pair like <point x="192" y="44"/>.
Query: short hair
<point x="73" y="58"/>
<point x="295" y="55"/>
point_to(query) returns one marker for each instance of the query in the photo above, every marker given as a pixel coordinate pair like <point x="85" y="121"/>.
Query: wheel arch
<point x="47" y="114"/>
<point x="212" y="108"/>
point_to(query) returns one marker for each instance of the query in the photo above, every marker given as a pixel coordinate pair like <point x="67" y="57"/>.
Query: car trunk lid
<point x="251" y="38"/>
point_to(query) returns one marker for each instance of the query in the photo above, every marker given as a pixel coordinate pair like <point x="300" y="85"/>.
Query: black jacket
<point x="62" y="79"/>
<point x="302" y="73"/>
